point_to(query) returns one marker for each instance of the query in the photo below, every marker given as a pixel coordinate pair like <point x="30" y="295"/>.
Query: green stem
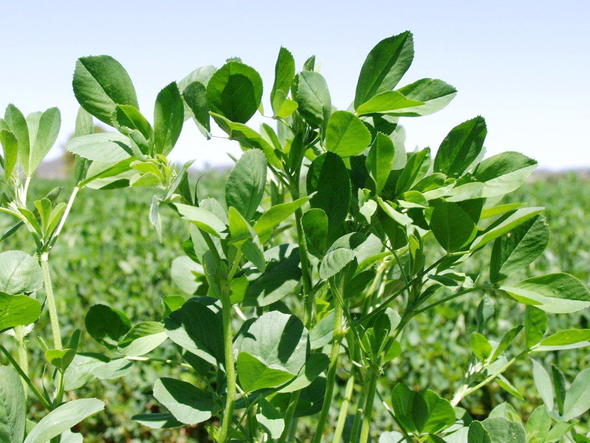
<point x="344" y="410"/>
<point x="22" y="355"/>
<point x="51" y="307"/>
<point x="230" y="370"/>
<point x="464" y="391"/>
<point x="64" y="217"/>
<point x="358" y="415"/>
<point x="331" y="377"/>
<point x="304" y="258"/>
<point x="373" y="376"/>
<point x="26" y="378"/>
<point x="289" y="415"/>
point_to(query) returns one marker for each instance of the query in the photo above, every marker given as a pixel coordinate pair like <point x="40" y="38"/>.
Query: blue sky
<point x="523" y="65"/>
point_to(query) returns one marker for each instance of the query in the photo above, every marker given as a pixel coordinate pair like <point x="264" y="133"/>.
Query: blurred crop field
<point x="110" y="253"/>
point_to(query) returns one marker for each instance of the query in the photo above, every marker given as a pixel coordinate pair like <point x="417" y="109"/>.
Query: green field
<point x="110" y="253"/>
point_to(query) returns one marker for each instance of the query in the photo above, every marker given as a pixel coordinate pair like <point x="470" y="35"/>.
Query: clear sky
<point x="523" y="65"/>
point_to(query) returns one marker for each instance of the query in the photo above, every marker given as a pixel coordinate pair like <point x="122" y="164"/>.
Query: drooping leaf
<point x="100" y="83"/>
<point x="245" y="185"/>
<point x="385" y="65"/>
<point x="63" y="418"/>
<point x="543" y="384"/>
<point x="558" y="293"/>
<point x="235" y="91"/>
<point x="346" y="134"/>
<point x="186" y="403"/>
<point x="195" y="96"/>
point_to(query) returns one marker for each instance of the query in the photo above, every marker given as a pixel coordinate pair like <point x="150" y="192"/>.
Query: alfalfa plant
<point x="330" y="241"/>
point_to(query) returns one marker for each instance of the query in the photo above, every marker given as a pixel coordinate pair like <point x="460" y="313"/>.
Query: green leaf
<point x="195" y="96"/>
<point x="513" y="252"/>
<point x="380" y="160"/>
<point x="271" y="419"/>
<point x="158" y="420"/>
<point x="100" y="83"/>
<point x="17" y="124"/>
<point x="10" y="150"/>
<point x="507" y="340"/>
<point x="284" y="75"/>
<point x="538" y="424"/>
<point x="334" y="261"/>
<point x="63" y="418"/>
<point x="142" y="338"/>
<point x="204" y="219"/>
<point x="385" y="65"/>
<point x="543" y="384"/>
<point x="461" y="147"/>
<point x="43" y="139"/>
<point x="315" y="225"/>
<point x="245" y="185"/>
<point x="387" y="103"/>
<point x="84" y="123"/>
<point x="168" y="118"/>
<point x="421" y="411"/>
<point x="184" y="272"/>
<point x="276" y="214"/>
<point x="558" y="293"/>
<point x="106" y="325"/>
<point x="60" y="358"/>
<point x="248" y="138"/>
<point x="19" y="272"/>
<point x="104" y="147"/>
<point x="565" y="339"/>
<point x="451" y="225"/>
<point x="12" y="406"/>
<point x="188" y="404"/>
<point x="329" y="177"/>
<point x="480" y="346"/>
<point x="272" y="351"/>
<point x="235" y="91"/>
<point x="128" y="118"/>
<point x="279" y="278"/>
<point x="197" y="327"/>
<point x="515" y="219"/>
<point x="311" y="93"/>
<point x="504" y="173"/>
<point x="346" y="134"/>
<point x="501" y="430"/>
<point x="577" y="397"/>
<point x="535" y="325"/>
<point x="434" y="95"/>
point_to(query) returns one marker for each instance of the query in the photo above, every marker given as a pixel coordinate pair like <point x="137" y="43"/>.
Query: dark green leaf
<point x="168" y="118"/>
<point x="245" y="185"/>
<point x="346" y="134"/>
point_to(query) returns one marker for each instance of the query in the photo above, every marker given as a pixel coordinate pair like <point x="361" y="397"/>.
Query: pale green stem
<point x="344" y="410"/>
<point x="464" y="390"/>
<point x="373" y="376"/>
<point x="22" y="356"/>
<point x="51" y="307"/>
<point x="66" y="212"/>
<point x="230" y="371"/>
<point x="331" y="377"/>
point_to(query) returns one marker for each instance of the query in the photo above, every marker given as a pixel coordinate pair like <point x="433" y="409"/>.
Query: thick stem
<point x="230" y="370"/>
<point x="290" y="415"/>
<point x="51" y="307"/>
<point x="358" y="416"/>
<point x="343" y="410"/>
<point x="331" y="377"/>
<point x="373" y="376"/>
